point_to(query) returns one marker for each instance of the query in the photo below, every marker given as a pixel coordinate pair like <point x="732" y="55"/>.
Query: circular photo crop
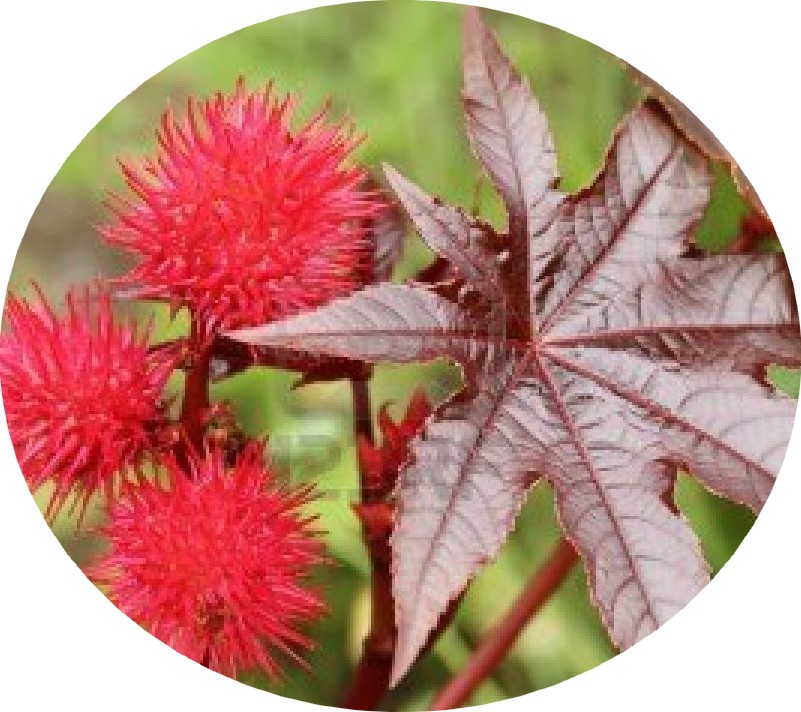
<point x="400" y="356"/>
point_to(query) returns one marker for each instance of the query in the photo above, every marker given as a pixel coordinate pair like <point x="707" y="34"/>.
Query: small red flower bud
<point x="82" y="394"/>
<point x="382" y="464"/>
<point x="216" y="565"/>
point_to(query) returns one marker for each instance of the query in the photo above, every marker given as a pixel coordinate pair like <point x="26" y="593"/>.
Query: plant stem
<point x="371" y="679"/>
<point x="362" y="411"/>
<point x="496" y="643"/>
<point x="196" y="396"/>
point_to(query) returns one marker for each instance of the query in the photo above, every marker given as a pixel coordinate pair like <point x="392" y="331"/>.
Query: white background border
<point x="65" y="64"/>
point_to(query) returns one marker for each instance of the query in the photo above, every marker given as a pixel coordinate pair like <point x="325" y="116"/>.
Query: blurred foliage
<point x="394" y="69"/>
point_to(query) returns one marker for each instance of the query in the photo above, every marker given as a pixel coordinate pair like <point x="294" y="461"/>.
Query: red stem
<point x="371" y="679"/>
<point x="362" y="411"/>
<point x="196" y="397"/>
<point x="496" y="643"/>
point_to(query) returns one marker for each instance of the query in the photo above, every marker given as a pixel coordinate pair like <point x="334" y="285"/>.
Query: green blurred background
<point x="394" y="68"/>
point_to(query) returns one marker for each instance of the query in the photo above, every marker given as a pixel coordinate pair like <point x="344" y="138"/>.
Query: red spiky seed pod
<point x="215" y="564"/>
<point x="82" y="394"/>
<point x="243" y="219"/>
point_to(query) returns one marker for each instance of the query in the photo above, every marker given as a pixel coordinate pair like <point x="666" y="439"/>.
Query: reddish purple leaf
<point x="392" y="322"/>
<point x="723" y="313"/>
<point x="652" y="192"/>
<point x="624" y="359"/>
<point x="508" y="132"/>
<point x="509" y="135"/>
<point x="452" y="234"/>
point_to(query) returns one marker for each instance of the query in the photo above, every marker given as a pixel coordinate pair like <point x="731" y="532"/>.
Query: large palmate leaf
<point x="604" y="358"/>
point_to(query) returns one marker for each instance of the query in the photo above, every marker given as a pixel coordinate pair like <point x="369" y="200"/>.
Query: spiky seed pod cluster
<point x="82" y="393"/>
<point x="215" y="564"/>
<point x="241" y="218"/>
